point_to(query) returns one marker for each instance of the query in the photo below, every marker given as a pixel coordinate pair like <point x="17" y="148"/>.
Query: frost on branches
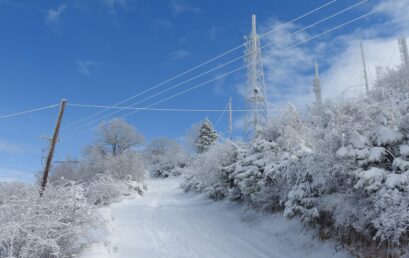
<point x="165" y="157"/>
<point x="345" y="170"/>
<point x="56" y="225"/>
<point x="64" y="220"/>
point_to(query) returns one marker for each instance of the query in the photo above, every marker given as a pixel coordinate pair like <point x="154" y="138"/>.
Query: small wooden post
<point x="52" y="147"/>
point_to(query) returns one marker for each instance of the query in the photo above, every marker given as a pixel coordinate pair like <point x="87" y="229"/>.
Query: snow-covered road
<point x="167" y="222"/>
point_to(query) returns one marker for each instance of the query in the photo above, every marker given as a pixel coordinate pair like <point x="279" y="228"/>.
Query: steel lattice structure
<point x="255" y="90"/>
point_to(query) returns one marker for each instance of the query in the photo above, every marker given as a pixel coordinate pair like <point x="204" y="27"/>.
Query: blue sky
<point x="103" y="51"/>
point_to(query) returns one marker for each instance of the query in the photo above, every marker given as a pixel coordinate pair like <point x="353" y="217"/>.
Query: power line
<point x="18" y="175"/>
<point x="28" y="111"/>
<point x="240" y="68"/>
<point x="225" y="64"/>
<point x="161" y="109"/>
<point x="198" y="66"/>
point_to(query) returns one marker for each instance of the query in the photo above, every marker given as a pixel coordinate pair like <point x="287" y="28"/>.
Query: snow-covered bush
<point x="343" y="168"/>
<point x="111" y="155"/>
<point x="208" y="172"/>
<point x="55" y="225"/>
<point x="104" y="190"/>
<point x="125" y="166"/>
<point x="165" y="157"/>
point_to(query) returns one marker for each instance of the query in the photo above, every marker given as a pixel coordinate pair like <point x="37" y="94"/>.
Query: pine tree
<point x="206" y="137"/>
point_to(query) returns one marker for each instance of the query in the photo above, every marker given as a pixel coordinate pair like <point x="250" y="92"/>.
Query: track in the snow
<point x="168" y="223"/>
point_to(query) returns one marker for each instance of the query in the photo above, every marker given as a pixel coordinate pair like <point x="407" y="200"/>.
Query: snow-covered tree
<point x="117" y="136"/>
<point x="165" y="157"/>
<point x="207" y="136"/>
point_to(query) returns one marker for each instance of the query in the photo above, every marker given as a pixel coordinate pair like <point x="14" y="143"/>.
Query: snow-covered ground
<point x="167" y="222"/>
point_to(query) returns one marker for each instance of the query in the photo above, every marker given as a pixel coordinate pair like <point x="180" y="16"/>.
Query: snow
<point x="371" y="179"/>
<point x="376" y="154"/>
<point x="401" y="164"/>
<point x="383" y="136"/>
<point x="404" y="149"/>
<point x="396" y="180"/>
<point x="358" y="140"/>
<point x="342" y="152"/>
<point x="167" y="222"/>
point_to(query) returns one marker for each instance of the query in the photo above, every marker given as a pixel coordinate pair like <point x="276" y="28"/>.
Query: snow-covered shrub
<point x="55" y="225"/>
<point x="343" y="167"/>
<point x="165" y="157"/>
<point x="105" y="190"/>
<point x="208" y="172"/>
<point x="125" y="166"/>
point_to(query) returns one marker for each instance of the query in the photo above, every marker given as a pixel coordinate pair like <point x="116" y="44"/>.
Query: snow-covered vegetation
<point x="165" y="157"/>
<point x="61" y="222"/>
<point x="343" y="168"/>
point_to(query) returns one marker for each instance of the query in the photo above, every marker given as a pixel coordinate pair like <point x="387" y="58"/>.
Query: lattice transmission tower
<point x="404" y="54"/>
<point x="317" y="86"/>
<point x="255" y="90"/>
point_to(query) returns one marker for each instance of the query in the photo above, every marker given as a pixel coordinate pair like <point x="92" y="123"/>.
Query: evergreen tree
<point x="206" y="137"/>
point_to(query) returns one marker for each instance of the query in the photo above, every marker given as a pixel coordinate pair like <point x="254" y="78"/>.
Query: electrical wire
<point x="160" y="109"/>
<point x="28" y="111"/>
<point x="18" y="175"/>
<point x="198" y="66"/>
<point x="225" y="64"/>
<point x="245" y="66"/>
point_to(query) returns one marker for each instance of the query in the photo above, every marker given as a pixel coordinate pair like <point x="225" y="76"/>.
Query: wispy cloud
<point x="53" y="15"/>
<point x="214" y="32"/>
<point x="160" y="24"/>
<point x="289" y="73"/>
<point x="87" y="67"/>
<point x="10" y="148"/>
<point x="179" y="54"/>
<point x="180" y="6"/>
<point x="114" y="5"/>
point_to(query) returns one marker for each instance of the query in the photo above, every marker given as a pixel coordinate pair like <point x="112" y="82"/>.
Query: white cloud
<point x="53" y="15"/>
<point x="87" y="67"/>
<point x="180" y="6"/>
<point x="345" y="76"/>
<point x="397" y="11"/>
<point x="10" y="148"/>
<point x="179" y="54"/>
<point x="289" y="74"/>
<point x="114" y="5"/>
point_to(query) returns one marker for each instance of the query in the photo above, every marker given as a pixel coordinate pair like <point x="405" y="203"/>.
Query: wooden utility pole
<point x="230" y="120"/>
<point x="52" y="146"/>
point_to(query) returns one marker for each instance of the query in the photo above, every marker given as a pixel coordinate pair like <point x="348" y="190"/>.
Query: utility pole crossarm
<point x="52" y="146"/>
<point x="255" y="90"/>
